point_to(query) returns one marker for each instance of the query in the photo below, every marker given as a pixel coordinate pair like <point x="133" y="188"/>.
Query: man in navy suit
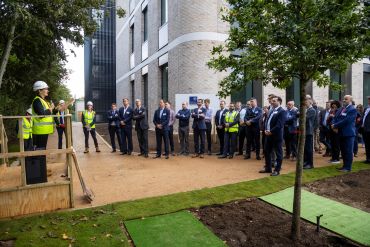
<point x="141" y="127"/>
<point x="199" y="129"/>
<point x="365" y="130"/>
<point x="345" y="124"/>
<point x="114" y="126"/>
<point x="290" y="131"/>
<point x="160" y="120"/>
<point x="220" y="128"/>
<point x="125" y="116"/>
<point x="311" y="119"/>
<point x="274" y="130"/>
<point x="251" y="119"/>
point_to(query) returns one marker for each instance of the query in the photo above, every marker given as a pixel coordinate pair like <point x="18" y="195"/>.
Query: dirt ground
<point x="351" y="189"/>
<point x="256" y="223"/>
<point x="114" y="177"/>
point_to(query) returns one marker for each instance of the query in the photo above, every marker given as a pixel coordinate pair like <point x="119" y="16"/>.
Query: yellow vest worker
<point x="231" y="124"/>
<point x="88" y="119"/>
<point x="27" y="131"/>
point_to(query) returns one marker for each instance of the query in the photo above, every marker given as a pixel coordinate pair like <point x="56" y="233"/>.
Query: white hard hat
<point x="89" y="103"/>
<point x="39" y="85"/>
<point x="61" y="101"/>
<point x="29" y="111"/>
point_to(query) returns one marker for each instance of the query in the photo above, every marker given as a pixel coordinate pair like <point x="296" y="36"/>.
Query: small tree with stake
<point x="282" y="40"/>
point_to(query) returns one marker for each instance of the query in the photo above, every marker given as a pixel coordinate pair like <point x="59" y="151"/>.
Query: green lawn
<point x="101" y="226"/>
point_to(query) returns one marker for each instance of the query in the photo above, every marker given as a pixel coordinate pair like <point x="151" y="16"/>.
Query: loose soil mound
<point x="256" y="223"/>
<point x="352" y="189"/>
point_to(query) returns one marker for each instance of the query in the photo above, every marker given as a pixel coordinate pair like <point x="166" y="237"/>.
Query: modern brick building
<point x="162" y="47"/>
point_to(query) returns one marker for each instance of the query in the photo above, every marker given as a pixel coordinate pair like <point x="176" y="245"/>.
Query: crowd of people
<point x="242" y="130"/>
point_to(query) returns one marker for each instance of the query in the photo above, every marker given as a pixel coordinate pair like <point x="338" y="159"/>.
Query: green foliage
<point x="276" y="41"/>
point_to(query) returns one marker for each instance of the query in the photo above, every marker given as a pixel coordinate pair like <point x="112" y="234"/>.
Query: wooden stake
<point x="21" y="149"/>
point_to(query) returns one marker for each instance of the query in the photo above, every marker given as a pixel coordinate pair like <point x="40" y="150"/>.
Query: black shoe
<point x="275" y="173"/>
<point x="231" y="157"/>
<point x="141" y="154"/>
<point x="264" y="171"/>
<point x="239" y="154"/>
<point x="123" y="153"/>
<point x="167" y="157"/>
<point x="366" y="161"/>
<point x="339" y="168"/>
<point x="222" y="157"/>
<point x="113" y="151"/>
<point x="343" y="170"/>
<point x="219" y="154"/>
<point x="247" y="157"/>
<point x="129" y="153"/>
<point x="209" y="153"/>
<point x="258" y="158"/>
<point x="306" y="167"/>
<point x="157" y="157"/>
<point x="146" y="155"/>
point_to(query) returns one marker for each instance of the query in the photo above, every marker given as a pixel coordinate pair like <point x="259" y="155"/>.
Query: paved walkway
<point x="114" y="178"/>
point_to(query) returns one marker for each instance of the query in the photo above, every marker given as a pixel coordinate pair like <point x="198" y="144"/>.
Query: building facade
<point x="100" y="61"/>
<point x="162" y="47"/>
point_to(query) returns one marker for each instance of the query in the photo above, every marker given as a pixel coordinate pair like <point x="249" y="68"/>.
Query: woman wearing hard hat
<point x="27" y="130"/>
<point x="88" y="119"/>
<point x="42" y="126"/>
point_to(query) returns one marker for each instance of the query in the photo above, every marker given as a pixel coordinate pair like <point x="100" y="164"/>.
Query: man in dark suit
<point x="125" y="116"/>
<point x="365" y="130"/>
<point x="325" y="129"/>
<point x="220" y="128"/>
<point x="183" y="116"/>
<point x="345" y="124"/>
<point x="114" y="126"/>
<point x="290" y="131"/>
<point x="141" y="127"/>
<point x="274" y="130"/>
<point x="251" y="119"/>
<point x="160" y="120"/>
<point x="199" y="129"/>
<point x="311" y="118"/>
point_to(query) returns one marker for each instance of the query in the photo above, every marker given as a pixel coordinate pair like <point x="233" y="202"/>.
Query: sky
<point x="75" y="66"/>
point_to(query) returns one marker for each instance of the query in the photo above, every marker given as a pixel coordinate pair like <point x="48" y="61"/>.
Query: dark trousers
<point x="93" y="135"/>
<point x="334" y="141"/>
<point x="366" y="137"/>
<point x="115" y="131"/>
<point x="40" y="141"/>
<point x="355" y="144"/>
<point x="209" y="136"/>
<point x="253" y="136"/>
<point x="28" y="144"/>
<point x="199" y="135"/>
<point x="308" y="151"/>
<point x="170" y="137"/>
<point x="346" y="148"/>
<point x="142" y="137"/>
<point x="184" y="139"/>
<point x="291" y="144"/>
<point x="242" y="137"/>
<point x="126" y="139"/>
<point x="325" y="139"/>
<point x="221" y="138"/>
<point x="230" y="143"/>
<point x="162" y="134"/>
<point x="273" y="146"/>
<point x="60" y="136"/>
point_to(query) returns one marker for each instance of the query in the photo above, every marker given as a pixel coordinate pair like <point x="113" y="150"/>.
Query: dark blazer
<point x="164" y="120"/>
<point x="217" y="117"/>
<point x="183" y="116"/>
<point x="113" y="117"/>
<point x="278" y="118"/>
<point x="322" y="118"/>
<point x="141" y="120"/>
<point x="127" y="117"/>
<point x="291" y="120"/>
<point x="366" y="127"/>
<point x="254" y="117"/>
<point x="199" y="121"/>
<point x="344" y="121"/>
<point x="311" y="120"/>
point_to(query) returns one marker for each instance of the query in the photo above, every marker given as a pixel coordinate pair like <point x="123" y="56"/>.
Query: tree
<point x="278" y="41"/>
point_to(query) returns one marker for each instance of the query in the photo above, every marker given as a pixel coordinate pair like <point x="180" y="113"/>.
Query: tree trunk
<point x="296" y="230"/>
<point x="7" y="49"/>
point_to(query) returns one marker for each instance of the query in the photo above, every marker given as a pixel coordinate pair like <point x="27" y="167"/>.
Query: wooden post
<point x="21" y="149"/>
<point x="2" y="139"/>
<point x="69" y="157"/>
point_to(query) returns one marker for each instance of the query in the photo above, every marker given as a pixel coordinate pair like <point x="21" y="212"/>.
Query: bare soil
<point x="352" y="189"/>
<point x="252" y="222"/>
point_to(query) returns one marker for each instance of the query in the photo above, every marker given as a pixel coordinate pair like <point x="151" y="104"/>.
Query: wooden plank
<point x="34" y="200"/>
<point x="21" y="149"/>
<point x="2" y="139"/>
<point x="69" y="158"/>
<point x="36" y="153"/>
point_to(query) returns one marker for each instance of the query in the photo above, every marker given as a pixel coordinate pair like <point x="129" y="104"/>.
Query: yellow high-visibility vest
<point x="89" y="117"/>
<point x="229" y="118"/>
<point x="27" y="129"/>
<point x="45" y="125"/>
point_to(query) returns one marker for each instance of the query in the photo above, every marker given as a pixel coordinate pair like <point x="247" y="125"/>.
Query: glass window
<point x="292" y="92"/>
<point x="145" y="17"/>
<point x="366" y="87"/>
<point x="145" y="93"/>
<point x="164" y="72"/>
<point x="132" y="35"/>
<point x="335" y="77"/>
<point x="164" y="11"/>
<point x="132" y="92"/>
